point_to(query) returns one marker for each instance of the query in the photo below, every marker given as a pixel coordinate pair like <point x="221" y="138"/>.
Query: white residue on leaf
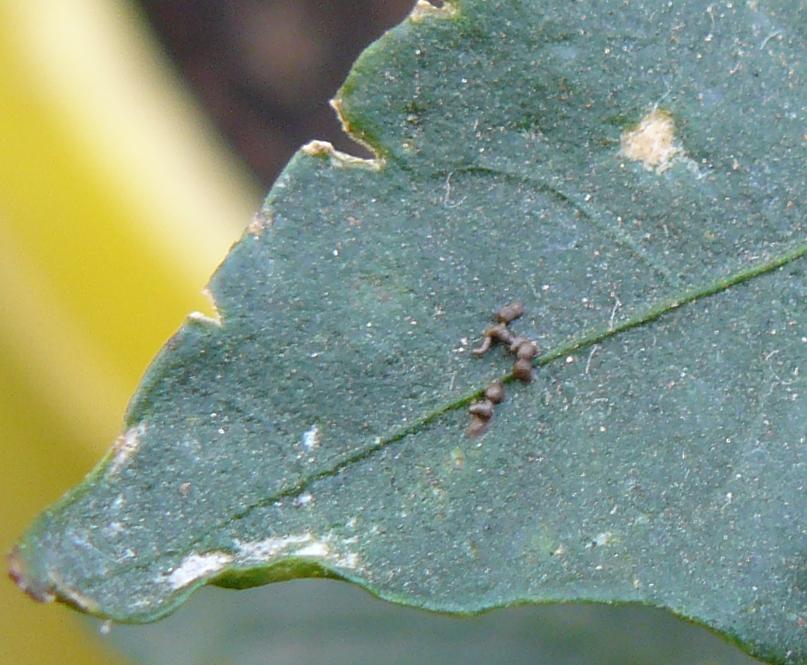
<point x="269" y="548"/>
<point x="601" y="540"/>
<point x="316" y="549"/>
<point x="329" y="548"/>
<point x="196" y="566"/>
<point x="124" y="447"/>
<point x="311" y="438"/>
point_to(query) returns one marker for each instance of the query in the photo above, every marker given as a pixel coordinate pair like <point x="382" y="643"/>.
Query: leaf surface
<point x="633" y="173"/>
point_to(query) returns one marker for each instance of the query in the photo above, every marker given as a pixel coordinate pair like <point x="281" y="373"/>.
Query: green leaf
<point x="632" y="172"/>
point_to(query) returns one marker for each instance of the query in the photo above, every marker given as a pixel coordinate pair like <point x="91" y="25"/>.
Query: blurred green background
<point x="136" y="141"/>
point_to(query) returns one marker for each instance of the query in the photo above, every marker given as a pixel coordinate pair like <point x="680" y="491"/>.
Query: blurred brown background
<point x="265" y="69"/>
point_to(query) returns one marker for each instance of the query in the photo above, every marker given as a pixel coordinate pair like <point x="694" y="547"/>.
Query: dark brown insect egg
<point x="509" y="312"/>
<point x="483" y="349"/>
<point x="477" y="427"/>
<point x="517" y="341"/>
<point x="527" y="350"/>
<point x="500" y="333"/>
<point x="482" y="410"/>
<point x="495" y="392"/>
<point x="523" y="348"/>
<point x="522" y="370"/>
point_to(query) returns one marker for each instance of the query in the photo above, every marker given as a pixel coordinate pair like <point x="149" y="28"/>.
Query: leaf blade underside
<point x="658" y="457"/>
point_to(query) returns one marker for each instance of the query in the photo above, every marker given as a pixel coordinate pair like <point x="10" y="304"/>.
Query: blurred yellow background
<point x="117" y="201"/>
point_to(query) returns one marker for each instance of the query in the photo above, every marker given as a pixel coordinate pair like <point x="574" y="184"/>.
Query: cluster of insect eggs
<point x="524" y="350"/>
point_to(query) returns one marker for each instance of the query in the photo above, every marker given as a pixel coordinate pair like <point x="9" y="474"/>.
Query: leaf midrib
<point x="591" y="338"/>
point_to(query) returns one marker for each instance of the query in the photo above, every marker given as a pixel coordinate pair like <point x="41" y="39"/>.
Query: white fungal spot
<point x="124" y="447"/>
<point x="197" y="566"/>
<point x="652" y="142"/>
<point x="311" y="438"/>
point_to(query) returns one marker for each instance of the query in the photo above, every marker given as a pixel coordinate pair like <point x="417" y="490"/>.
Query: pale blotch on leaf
<point x="260" y="223"/>
<point x="652" y="142"/>
<point x="329" y="548"/>
<point x="124" y="447"/>
<point x="196" y="566"/>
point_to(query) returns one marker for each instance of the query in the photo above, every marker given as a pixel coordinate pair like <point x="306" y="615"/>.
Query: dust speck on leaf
<point x="303" y="499"/>
<point x="311" y="438"/>
<point x="601" y="540"/>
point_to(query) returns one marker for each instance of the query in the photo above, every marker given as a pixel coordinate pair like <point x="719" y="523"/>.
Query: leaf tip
<point x="17" y="572"/>
<point x="45" y="586"/>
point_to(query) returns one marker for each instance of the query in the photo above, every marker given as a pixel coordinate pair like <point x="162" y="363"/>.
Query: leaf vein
<point x="589" y="339"/>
